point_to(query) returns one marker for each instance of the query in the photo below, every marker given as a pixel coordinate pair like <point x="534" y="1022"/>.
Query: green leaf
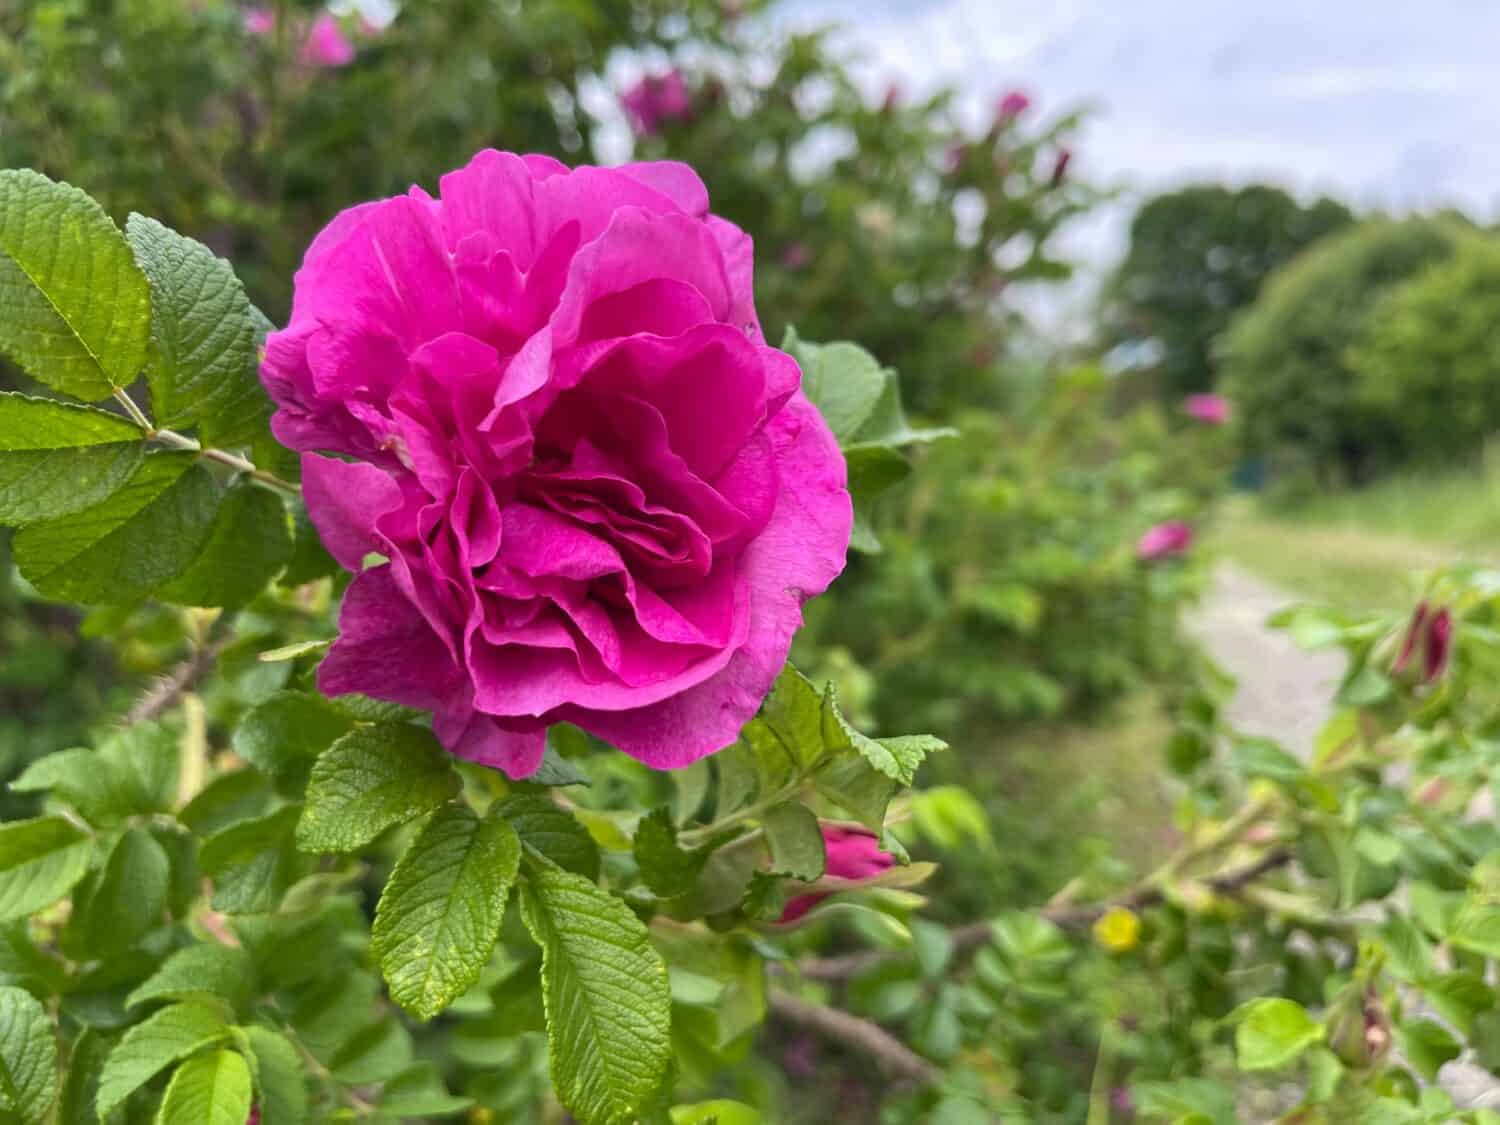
<point x="1273" y="1032"/>
<point x="1458" y="997"/>
<point x="850" y="782"/>
<point x="40" y="861"/>
<point x="280" y="1086"/>
<point x="898" y="758"/>
<point x="57" y="458"/>
<point x="372" y="779"/>
<point x="841" y="379"/>
<point x="722" y="1111"/>
<point x="795" y="840"/>
<point x="1187" y="1101"/>
<point x="667" y="868"/>
<point x="202" y="368"/>
<point x="73" y="306"/>
<point x="556" y="770"/>
<point x="874" y="468"/>
<point x="379" y="1051"/>
<point x="28" y="1056"/>
<point x="209" y="1089"/>
<point x="210" y="970"/>
<point x="1427" y="1045"/>
<point x="154" y="1044"/>
<point x="552" y="833"/>
<point x="133" y="773"/>
<point x="310" y="559"/>
<point x="283" y="736"/>
<point x="251" y="862"/>
<point x="146" y="534"/>
<point x="238" y="795"/>
<point x="793" y="713"/>
<point x="247" y="546"/>
<point x="130" y="898"/>
<point x="419" y="1092"/>
<point x="608" y="1003"/>
<point x="439" y="916"/>
<point x="1477" y="929"/>
<point x="81" y="1081"/>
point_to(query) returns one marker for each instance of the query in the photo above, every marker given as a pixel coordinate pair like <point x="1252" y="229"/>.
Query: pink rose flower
<point x="1210" y="409"/>
<point x="1011" y="105"/>
<point x="1165" y="540"/>
<point x="853" y="854"/>
<point x="260" y="21"/>
<point x="602" y="496"/>
<point x="326" y="44"/>
<point x="655" y="99"/>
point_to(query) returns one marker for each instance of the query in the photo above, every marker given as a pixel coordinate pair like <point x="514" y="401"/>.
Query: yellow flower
<point x="1118" y="930"/>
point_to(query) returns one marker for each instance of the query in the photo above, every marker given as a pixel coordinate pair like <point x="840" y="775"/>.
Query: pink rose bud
<point x="1011" y="105"/>
<point x="326" y="44"/>
<point x="1414" y="633"/>
<point x="1060" y="169"/>
<point x="894" y="96"/>
<point x="1437" y="646"/>
<point x="260" y="21"/>
<point x="656" y="99"/>
<point x="602" y="495"/>
<point x="254" y="1118"/>
<point x="1207" y="408"/>
<point x="1165" y="540"/>
<point x="853" y="854"/>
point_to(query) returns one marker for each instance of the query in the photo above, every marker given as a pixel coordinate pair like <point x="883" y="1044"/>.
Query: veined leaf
<point x="279" y="1080"/>
<point x="130" y="898"/>
<point x="221" y="972"/>
<point x="209" y="1089"/>
<point x="151" y="1046"/>
<point x="283" y="736"/>
<point x="40" y="861"/>
<point x="28" y="1056"/>
<point x="57" y="458"/>
<point x="247" y="546"/>
<point x="440" y="913"/>
<point x="74" y="309"/>
<point x="667" y="868"/>
<point x="552" y="833"/>
<point x="796" y="841"/>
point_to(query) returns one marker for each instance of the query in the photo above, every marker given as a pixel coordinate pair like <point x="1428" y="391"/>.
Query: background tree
<point x="1199" y="255"/>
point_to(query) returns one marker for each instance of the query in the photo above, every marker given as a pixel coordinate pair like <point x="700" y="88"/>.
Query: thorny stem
<point x="174" y="440"/>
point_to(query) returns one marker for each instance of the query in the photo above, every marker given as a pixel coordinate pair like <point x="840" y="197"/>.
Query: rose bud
<point x="656" y="99"/>
<point x="1437" y="646"/>
<point x="1165" y="540"/>
<point x="1210" y="409"/>
<point x="853" y="854"/>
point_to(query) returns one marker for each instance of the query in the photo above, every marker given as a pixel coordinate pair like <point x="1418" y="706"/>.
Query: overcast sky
<point x="1386" y="103"/>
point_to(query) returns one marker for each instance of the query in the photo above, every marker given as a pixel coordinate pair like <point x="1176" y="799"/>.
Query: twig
<point x="174" y="440"/>
<point x="170" y="688"/>
<point x="895" y="1057"/>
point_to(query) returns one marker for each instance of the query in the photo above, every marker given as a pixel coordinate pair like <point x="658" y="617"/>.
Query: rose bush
<point x="601" y="494"/>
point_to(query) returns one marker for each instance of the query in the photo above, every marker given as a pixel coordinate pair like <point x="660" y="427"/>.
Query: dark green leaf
<point x="130" y="898"/>
<point x="667" y="868"/>
<point x="418" y="1092"/>
<point x="246" y="548"/>
<point x="28" y="1056"/>
<point x="252" y="863"/>
<point x="210" y="970"/>
<point x="283" y="736"/>
<point x="280" y="1086"/>
<point x="552" y="833"/>
<point x="57" y="458"/>
<point x="1427" y="1045"/>
<point x="795" y="840"/>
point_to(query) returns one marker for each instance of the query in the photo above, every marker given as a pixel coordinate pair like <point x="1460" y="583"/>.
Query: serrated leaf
<point x="246" y="548"/>
<point x="419" y="1092"/>
<point x="154" y="1044"/>
<point x="81" y="1082"/>
<point x="202" y="365"/>
<point x="239" y="795"/>
<point x="551" y="833"/>
<point x="607" y="999"/>
<point x="28" y="1056"/>
<point x="40" y="861"/>
<point x="133" y="773"/>
<point x="1273" y="1032"/>
<point x="209" y="970"/>
<point x="123" y="548"/>
<point x="841" y="379"/>
<point x="439" y="916"/>
<point x="333" y="1010"/>
<point x="130" y="898"/>
<point x="667" y="868"/>
<point x="850" y="782"/>
<point x="57" y="458"/>
<point x="283" y="736"/>
<point x="792" y="712"/>
<point x="209" y="1089"/>
<point x="898" y="758"/>
<point x="796" y="841"/>
<point x="281" y="1089"/>
<point x="73" y="306"/>
<point x="556" y="770"/>
<point x="372" y="779"/>
<point x="252" y="862"/>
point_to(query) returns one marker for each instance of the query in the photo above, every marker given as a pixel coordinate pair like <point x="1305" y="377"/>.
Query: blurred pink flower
<point x="1011" y="105"/>
<point x="1438" y="647"/>
<point x="655" y="99"/>
<point x="326" y="44"/>
<point x="853" y="854"/>
<point x="1209" y="408"/>
<point x="1165" y="540"/>
<point x="260" y="21"/>
<point x="254" y="1118"/>
<point x="894" y="96"/>
<point x="795" y="256"/>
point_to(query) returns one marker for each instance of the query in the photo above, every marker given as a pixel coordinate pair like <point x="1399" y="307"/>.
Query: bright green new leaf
<point x="57" y="458"/>
<point x="667" y="868"/>
<point x="201" y="358"/>
<point x="792" y="712"/>
<point x="898" y="758"/>
<point x="857" y="787"/>
<point x="123" y="548"/>
<point x="283" y="736"/>
<point x="372" y="779"/>
<point x="1427" y="1045"/>
<point x="154" y="1044"/>
<point x="281" y="1087"/>
<point x="439" y="916"/>
<point x="719" y="1112"/>
<point x="213" y="1088"/>
<point x="28" y="1056"/>
<point x="40" y="861"/>
<point x="841" y="379"/>
<point x="130" y="898"/>
<point x="210" y="970"/>
<point x="795" y="840"/>
<point x="608" y="1004"/>
<point x="1273" y="1032"/>
<point x="247" y="546"/>
<point x="552" y="833"/>
<point x="74" y="309"/>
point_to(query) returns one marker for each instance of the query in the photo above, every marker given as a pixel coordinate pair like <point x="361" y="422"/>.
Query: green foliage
<point x="1287" y="365"/>
<point x="1429" y="360"/>
<point x="209" y="1089"/>
<point x="57" y="458"/>
<point x="1197" y="256"/>
<point x="28" y="1056"/>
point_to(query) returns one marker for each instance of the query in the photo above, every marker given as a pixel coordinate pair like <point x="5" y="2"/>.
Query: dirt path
<point x="1282" y="692"/>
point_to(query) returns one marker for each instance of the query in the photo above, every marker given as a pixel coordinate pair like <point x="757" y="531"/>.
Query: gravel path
<point x="1282" y="692"/>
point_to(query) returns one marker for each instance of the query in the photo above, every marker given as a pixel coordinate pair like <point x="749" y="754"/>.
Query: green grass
<point x="1368" y="549"/>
